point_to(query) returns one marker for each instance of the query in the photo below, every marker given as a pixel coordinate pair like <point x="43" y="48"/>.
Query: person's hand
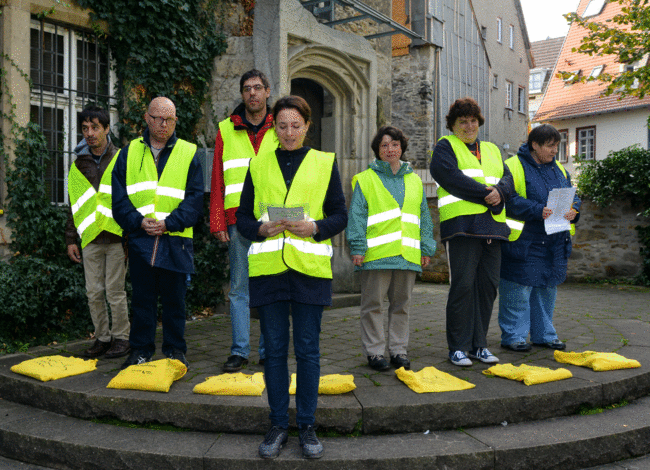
<point x="302" y="228"/>
<point x="494" y="198"/>
<point x="571" y="214"/>
<point x="272" y="228"/>
<point x="357" y="260"/>
<point x="425" y="261"/>
<point x="161" y="227"/>
<point x="150" y="226"/>
<point x="221" y="235"/>
<point x="546" y="213"/>
<point x="73" y="253"/>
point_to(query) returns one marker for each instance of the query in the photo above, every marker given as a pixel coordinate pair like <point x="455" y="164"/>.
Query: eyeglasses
<point x="159" y="120"/>
<point x="248" y="89"/>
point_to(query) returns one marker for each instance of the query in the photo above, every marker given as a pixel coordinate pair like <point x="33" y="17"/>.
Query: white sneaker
<point x="459" y="358"/>
<point x="484" y="355"/>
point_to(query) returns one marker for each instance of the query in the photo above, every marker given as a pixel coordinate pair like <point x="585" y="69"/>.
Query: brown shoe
<point x="97" y="349"/>
<point x="119" y="348"/>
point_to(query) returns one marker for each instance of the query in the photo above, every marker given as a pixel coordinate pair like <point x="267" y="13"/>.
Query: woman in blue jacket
<point x="533" y="263"/>
<point x="390" y="233"/>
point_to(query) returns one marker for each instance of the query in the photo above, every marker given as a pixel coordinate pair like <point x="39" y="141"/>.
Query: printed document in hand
<point x="288" y="213"/>
<point x="559" y="201"/>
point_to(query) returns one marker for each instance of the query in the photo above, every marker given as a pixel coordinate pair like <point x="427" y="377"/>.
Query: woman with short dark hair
<point x="533" y="262"/>
<point x="390" y="234"/>
<point x="473" y="185"/>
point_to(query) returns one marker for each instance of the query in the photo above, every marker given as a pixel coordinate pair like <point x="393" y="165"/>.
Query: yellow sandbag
<point x="233" y="384"/>
<point x="54" y="367"/>
<point x="333" y="384"/>
<point x="598" y="361"/>
<point x="530" y="375"/>
<point x="155" y="376"/>
<point x="431" y="379"/>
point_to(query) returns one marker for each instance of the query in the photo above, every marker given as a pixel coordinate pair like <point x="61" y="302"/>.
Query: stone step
<point x="572" y="442"/>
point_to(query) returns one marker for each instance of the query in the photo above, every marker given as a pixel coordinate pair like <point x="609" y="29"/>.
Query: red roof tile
<point x="566" y="101"/>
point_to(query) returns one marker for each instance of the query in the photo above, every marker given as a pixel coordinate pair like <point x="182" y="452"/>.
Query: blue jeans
<point x="240" y="318"/>
<point x="306" y="320"/>
<point x="148" y="283"/>
<point x="524" y="309"/>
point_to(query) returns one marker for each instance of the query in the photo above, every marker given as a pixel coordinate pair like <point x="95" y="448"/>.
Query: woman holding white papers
<point x="533" y="263"/>
<point x="290" y="264"/>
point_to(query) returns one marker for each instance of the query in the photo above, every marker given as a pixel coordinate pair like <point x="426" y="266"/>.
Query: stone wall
<point x="605" y="246"/>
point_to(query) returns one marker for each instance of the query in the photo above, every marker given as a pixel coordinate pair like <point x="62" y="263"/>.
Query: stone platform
<point x="499" y="424"/>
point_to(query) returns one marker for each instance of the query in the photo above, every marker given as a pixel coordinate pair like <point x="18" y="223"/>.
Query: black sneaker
<point x="378" y="362"/>
<point x="234" y="363"/>
<point x="136" y="357"/>
<point x="311" y="446"/>
<point x="276" y="438"/>
<point x="180" y="356"/>
<point x="400" y="360"/>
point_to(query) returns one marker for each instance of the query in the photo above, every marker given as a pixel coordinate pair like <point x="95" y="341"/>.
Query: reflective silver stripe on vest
<point x="162" y="215"/>
<point x="171" y="192"/>
<point x="234" y="188"/>
<point x="384" y="216"/>
<point x="267" y="246"/>
<point x="141" y="186"/>
<point x="473" y="172"/>
<point x="86" y="222"/>
<point x="238" y="163"/>
<point x="82" y="200"/>
<point x="384" y="239"/>
<point x="491" y="180"/>
<point x="304" y="246"/>
<point x="411" y="242"/>
<point x="443" y="201"/>
<point x="106" y="188"/>
<point x="411" y="219"/>
<point x="146" y="209"/>
<point x="105" y="210"/>
<point x="514" y="225"/>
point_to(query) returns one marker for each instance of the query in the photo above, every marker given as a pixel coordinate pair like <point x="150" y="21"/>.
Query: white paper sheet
<point x="559" y="201"/>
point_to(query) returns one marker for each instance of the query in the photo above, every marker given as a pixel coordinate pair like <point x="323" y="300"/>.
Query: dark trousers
<point x="474" y="267"/>
<point x="149" y="283"/>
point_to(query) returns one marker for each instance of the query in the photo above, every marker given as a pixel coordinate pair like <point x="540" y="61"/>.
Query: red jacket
<point x="220" y="219"/>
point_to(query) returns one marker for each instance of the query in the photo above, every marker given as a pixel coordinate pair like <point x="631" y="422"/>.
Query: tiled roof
<point x="566" y="101"/>
<point x="545" y="52"/>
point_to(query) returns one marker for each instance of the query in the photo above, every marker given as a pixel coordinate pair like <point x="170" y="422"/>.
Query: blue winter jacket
<point x="172" y="253"/>
<point x="358" y="220"/>
<point x="536" y="259"/>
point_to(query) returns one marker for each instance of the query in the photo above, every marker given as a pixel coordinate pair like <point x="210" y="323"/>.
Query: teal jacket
<point x="358" y="220"/>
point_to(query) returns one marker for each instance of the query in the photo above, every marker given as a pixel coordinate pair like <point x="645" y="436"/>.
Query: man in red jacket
<point x="240" y="138"/>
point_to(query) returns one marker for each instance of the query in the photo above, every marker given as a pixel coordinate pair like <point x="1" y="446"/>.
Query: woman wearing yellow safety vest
<point x="473" y="185"/>
<point x="390" y="234"/>
<point x="291" y="204"/>
<point x="533" y="263"/>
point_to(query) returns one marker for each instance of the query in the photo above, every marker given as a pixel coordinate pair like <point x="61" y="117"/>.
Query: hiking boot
<point x="377" y="362"/>
<point x="276" y="438"/>
<point x="400" y="360"/>
<point x="311" y="446"/>
<point x="459" y="358"/>
<point x="234" y="363"/>
<point x="179" y="356"/>
<point x="119" y="348"/>
<point x="97" y="349"/>
<point x="555" y="344"/>
<point x="136" y="357"/>
<point x="484" y="355"/>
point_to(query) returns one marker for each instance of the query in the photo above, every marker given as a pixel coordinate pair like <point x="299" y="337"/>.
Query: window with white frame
<point x="508" y="94"/>
<point x="535" y="82"/>
<point x="521" y="102"/>
<point x="563" y="148"/>
<point x="69" y="70"/>
<point x="495" y="81"/>
<point x="511" y="30"/>
<point x="586" y="143"/>
<point x="499" y="30"/>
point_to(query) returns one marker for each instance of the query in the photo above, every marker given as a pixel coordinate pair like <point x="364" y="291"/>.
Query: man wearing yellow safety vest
<point x="157" y="199"/>
<point x="247" y="132"/>
<point x="534" y="263"/>
<point x="90" y="219"/>
<point x="473" y="185"/>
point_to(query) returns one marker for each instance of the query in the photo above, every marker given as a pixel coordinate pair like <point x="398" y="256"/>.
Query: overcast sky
<point x="544" y="17"/>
